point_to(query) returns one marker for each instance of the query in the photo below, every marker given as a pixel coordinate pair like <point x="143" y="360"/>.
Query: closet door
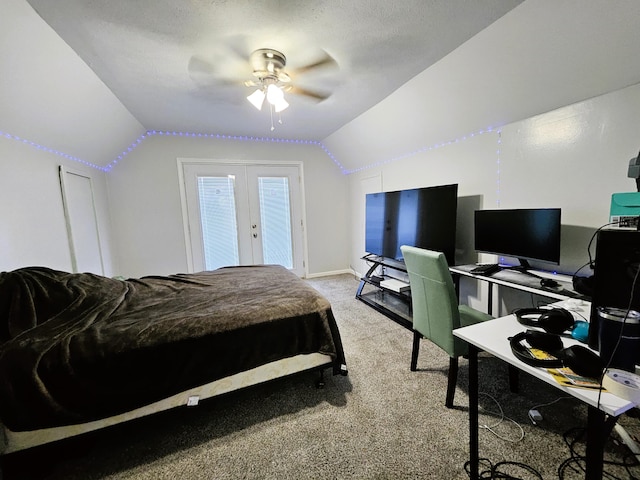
<point x="243" y="215"/>
<point x="82" y="223"/>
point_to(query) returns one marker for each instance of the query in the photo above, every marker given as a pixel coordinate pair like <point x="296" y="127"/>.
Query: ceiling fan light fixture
<point x="257" y="99"/>
<point x="274" y="94"/>
<point x="280" y="105"/>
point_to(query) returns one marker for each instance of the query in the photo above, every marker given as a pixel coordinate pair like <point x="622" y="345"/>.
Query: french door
<point x="243" y="214"/>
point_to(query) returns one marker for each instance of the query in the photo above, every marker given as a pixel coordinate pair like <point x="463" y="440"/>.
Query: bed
<point x="80" y="352"/>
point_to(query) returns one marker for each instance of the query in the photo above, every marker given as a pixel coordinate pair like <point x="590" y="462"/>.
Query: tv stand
<point x="394" y="304"/>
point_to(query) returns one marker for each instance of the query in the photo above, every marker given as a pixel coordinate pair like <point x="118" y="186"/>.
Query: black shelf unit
<point x="395" y="305"/>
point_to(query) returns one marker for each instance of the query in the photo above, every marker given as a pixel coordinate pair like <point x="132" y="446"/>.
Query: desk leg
<point x="598" y="429"/>
<point x="490" y="299"/>
<point x="474" y="457"/>
<point x="456" y="285"/>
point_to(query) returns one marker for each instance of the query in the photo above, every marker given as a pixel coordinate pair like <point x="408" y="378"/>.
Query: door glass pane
<point x="218" y="217"/>
<point x="275" y="219"/>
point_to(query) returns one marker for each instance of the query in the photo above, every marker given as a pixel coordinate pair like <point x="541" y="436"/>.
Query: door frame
<point x="181" y="161"/>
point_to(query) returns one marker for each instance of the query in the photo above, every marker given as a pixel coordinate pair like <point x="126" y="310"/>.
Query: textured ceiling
<point x="180" y="65"/>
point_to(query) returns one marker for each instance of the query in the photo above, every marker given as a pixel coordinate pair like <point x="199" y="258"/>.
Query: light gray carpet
<point x="380" y="422"/>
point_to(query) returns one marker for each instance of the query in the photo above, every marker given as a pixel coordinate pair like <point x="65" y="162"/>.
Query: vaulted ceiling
<point x="181" y="65"/>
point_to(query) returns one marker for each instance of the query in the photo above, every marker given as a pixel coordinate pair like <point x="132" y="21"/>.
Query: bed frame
<point x="15" y="441"/>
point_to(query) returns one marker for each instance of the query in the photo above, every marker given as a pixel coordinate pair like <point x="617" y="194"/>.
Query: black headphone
<point x="551" y="320"/>
<point x="583" y="285"/>
<point x="580" y="359"/>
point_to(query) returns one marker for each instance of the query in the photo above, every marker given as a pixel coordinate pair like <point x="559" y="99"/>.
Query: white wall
<point x="49" y="97"/>
<point x="33" y="229"/>
<point x="148" y="226"/>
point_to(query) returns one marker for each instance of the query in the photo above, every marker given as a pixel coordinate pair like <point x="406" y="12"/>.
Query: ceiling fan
<point x="270" y="79"/>
<point x="268" y="69"/>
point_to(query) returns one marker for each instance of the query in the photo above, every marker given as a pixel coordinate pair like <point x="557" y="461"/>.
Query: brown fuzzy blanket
<point x="80" y="347"/>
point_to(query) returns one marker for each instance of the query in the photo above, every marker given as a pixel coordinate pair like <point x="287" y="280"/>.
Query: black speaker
<point x="551" y="320"/>
<point x="616" y="265"/>
<point x="581" y="360"/>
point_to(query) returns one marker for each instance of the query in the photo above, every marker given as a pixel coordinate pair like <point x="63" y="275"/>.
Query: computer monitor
<point x="525" y="234"/>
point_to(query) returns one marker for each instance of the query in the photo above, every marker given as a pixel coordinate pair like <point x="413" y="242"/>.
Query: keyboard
<point x="486" y="269"/>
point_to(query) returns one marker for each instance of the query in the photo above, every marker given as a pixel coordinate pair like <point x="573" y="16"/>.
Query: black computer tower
<point x="617" y="262"/>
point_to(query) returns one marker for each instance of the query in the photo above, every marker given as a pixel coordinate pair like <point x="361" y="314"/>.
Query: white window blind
<point x="275" y="219"/>
<point x="219" y="221"/>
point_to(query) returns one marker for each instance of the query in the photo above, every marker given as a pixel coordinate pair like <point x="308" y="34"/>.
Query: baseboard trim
<point x="328" y="274"/>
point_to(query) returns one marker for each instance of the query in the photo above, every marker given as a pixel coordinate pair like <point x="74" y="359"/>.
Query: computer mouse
<point x="580" y="331"/>
<point x="548" y="282"/>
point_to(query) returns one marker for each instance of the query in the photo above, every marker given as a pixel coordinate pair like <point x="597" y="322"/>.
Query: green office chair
<point x="436" y="312"/>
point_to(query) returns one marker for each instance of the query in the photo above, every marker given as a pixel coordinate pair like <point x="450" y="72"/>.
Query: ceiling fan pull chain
<point x="271" y="114"/>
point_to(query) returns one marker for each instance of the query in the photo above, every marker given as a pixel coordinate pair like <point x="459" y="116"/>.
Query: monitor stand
<point x="523" y="268"/>
<point x="524" y="264"/>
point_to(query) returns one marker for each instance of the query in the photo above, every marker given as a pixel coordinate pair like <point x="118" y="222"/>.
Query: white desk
<point x="520" y="281"/>
<point x="492" y="336"/>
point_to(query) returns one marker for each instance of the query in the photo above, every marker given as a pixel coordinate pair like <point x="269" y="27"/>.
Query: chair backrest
<point x="433" y="295"/>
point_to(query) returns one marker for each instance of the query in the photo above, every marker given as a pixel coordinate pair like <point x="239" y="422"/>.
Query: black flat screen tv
<point x="525" y="234"/>
<point x="420" y="217"/>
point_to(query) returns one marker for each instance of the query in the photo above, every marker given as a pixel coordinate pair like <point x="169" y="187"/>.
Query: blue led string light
<point x="245" y="138"/>
<point x="50" y="150"/>
<point x="129" y="149"/>
<point x="334" y="159"/>
<point x="423" y="150"/>
<point x="152" y="133"/>
<point x="219" y="136"/>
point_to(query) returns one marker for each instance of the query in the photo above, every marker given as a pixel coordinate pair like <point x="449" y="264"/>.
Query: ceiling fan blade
<point x="319" y="96"/>
<point x="237" y="45"/>
<point x="326" y="61"/>
<point x="199" y="65"/>
<point x="205" y="73"/>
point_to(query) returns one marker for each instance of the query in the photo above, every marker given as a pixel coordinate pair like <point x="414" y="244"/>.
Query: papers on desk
<point x="565" y="376"/>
